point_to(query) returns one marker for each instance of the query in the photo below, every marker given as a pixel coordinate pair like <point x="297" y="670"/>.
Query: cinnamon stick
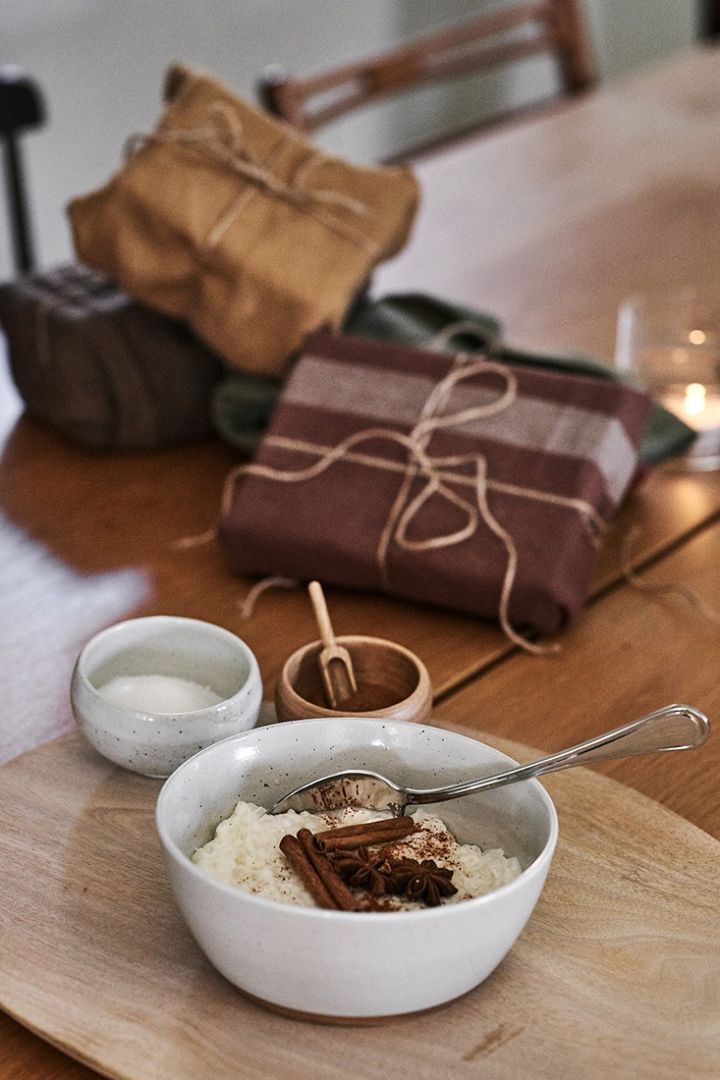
<point x="328" y="875"/>
<point x="374" y="832"/>
<point x="296" y="855"/>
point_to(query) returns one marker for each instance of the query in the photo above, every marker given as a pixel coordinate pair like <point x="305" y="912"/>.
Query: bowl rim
<point x="421" y="691"/>
<point x="356" y="917"/>
<point x="123" y="712"/>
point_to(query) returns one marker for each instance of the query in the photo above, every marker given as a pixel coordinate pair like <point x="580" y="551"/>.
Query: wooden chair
<point x="21" y="107"/>
<point x="551" y="27"/>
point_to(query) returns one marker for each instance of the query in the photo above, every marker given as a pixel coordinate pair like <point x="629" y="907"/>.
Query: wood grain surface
<point x="88" y="539"/>
<point x="624" y="941"/>
<point x="550" y="225"/>
<point x="629" y="653"/>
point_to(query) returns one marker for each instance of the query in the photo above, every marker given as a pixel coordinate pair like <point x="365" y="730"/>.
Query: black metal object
<point x="709" y="19"/>
<point x="21" y="107"/>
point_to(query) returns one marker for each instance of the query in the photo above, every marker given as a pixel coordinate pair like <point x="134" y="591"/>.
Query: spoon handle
<point x="674" y="727"/>
<point x="322" y="615"/>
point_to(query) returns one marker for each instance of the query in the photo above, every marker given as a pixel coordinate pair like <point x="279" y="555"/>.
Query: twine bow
<point x="438" y="473"/>
<point x="222" y="141"/>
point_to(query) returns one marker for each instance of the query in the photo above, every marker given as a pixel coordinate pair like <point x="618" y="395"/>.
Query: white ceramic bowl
<point x="349" y="964"/>
<point x="150" y="742"/>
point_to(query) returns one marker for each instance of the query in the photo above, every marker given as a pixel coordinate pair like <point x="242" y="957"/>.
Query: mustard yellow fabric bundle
<point x="231" y="220"/>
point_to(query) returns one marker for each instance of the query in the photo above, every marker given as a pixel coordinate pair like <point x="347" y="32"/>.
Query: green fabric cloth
<point x="241" y="407"/>
<point x="243" y="403"/>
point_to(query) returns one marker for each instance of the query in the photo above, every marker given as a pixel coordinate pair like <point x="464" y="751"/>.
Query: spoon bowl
<point x="674" y="727"/>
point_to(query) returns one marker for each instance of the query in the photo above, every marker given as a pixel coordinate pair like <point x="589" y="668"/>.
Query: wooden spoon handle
<point x="321" y="613"/>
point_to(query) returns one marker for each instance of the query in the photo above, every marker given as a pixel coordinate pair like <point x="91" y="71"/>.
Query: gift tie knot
<point x="441" y="475"/>
<point x="222" y="141"/>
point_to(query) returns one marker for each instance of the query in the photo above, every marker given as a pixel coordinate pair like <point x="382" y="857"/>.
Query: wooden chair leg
<point x="22" y="246"/>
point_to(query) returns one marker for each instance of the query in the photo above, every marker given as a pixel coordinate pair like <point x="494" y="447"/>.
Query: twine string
<point x="222" y="141"/>
<point x="469" y="327"/>
<point x="247" y="604"/>
<point x="592" y="521"/>
<point x="185" y="543"/>
<point x="430" y="418"/>
<point x="436" y="481"/>
<point x="672" y="588"/>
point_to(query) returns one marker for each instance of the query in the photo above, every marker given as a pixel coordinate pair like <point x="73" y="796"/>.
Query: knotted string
<point x="672" y="588"/>
<point x="247" y="604"/>
<point x="488" y="338"/>
<point x="222" y="141"/>
<point x="434" y="471"/>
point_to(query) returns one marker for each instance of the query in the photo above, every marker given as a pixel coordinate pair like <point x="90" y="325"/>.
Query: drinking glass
<point x="669" y="339"/>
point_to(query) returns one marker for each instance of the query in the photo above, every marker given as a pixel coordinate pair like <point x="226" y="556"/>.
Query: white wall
<point x="630" y="33"/>
<point x="100" y="63"/>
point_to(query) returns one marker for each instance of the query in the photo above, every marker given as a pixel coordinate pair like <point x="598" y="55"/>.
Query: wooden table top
<point x="548" y="225"/>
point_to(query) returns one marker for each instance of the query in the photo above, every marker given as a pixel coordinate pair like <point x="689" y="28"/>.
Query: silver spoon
<point x="675" y="727"/>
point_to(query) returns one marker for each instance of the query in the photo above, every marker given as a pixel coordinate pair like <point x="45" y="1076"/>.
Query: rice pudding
<point x="246" y="852"/>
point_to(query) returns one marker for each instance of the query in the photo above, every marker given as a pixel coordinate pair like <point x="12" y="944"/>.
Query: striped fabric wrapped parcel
<point x="449" y="479"/>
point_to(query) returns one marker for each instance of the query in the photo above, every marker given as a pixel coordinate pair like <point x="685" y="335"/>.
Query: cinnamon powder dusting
<point x="386" y="875"/>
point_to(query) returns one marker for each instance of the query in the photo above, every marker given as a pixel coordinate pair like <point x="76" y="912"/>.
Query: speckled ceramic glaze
<point x="353" y="965"/>
<point x="153" y="743"/>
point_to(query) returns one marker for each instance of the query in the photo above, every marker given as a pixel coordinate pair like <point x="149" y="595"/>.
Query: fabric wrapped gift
<point x="230" y="219"/>
<point x="241" y="412"/>
<point x="102" y="369"/>
<point x="453" y="480"/>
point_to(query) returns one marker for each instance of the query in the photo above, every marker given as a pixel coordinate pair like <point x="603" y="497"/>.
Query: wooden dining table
<point x="547" y="224"/>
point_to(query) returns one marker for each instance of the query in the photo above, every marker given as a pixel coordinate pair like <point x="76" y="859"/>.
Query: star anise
<point x="421" y="881"/>
<point x="360" y="868"/>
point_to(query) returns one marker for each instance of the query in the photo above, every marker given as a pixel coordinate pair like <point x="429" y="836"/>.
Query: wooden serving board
<point x="617" y="974"/>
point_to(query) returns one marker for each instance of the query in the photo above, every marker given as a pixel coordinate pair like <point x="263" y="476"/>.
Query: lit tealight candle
<point x="158" y="694"/>
<point x="698" y="408"/>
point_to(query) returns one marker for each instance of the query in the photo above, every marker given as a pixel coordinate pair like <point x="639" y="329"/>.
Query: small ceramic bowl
<point x="354" y="966"/>
<point x="146" y="740"/>
<point x="392" y="682"/>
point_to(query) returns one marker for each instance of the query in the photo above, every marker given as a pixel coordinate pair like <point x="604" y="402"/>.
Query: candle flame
<point x="694" y="399"/>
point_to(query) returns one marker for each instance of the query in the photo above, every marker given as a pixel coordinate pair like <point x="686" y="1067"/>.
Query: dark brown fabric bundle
<point x="452" y="480"/>
<point x="102" y="369"/>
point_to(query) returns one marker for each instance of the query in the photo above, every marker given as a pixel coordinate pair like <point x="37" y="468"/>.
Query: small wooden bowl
<point x="392" y="682"/>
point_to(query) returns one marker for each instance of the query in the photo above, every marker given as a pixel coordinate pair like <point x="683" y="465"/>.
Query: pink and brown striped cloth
<point x="447" y="479"/>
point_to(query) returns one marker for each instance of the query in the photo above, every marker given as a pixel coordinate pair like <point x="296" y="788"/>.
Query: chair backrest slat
<point x="552" y="27"/>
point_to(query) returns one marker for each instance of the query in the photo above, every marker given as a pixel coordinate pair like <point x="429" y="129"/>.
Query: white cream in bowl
<point x="149" y="693"/>
<point x="158" y="693"/>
